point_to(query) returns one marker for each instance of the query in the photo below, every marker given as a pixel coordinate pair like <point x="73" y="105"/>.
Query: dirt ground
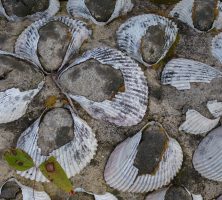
<point x="166" y="105"/>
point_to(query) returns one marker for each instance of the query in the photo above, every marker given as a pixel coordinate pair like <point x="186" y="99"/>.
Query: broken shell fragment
<point x="17" y="88"/>
<point x="28" y="42"/>
<point x="121" y="172"/>
<point x="28" y="9"/>
<point x="215" y="108"/>
<point x="106" y="196"/>
<point x="198" y="124"/>
<point x="199" y="15"/>
<point x="72" y="156"/>
<point x="27" y="192"/>
<point x="173" y="193"/>
<point x="207" y="158"/>
<point x="147" y="38"/>
<point x="126" y="108"/>
<point x="181" y="72"/>
<point x="216" y="47"/>
<point x="99" y="12"/>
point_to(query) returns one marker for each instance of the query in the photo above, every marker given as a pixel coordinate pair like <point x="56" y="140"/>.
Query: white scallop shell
<point x="53" y="8"/>
<point x="181" y="72"/>
<point x="197" y="124"/>
<point x="106" y="196"/>
<point x="13" y="105"/>
<point x="73" y="156"/>
<point x="130" y="34"/>
<point x="216" y="48"/>
<point x="26" y="45"/>
<point x="207" y="158"/>
<point x="160" y="195"/>
<point x="29" y="193"/>
<point x="78" y="8"/>
<point x="126" y="108"/>
<point x="121" y="174"/>
<point x="215" y="108"/>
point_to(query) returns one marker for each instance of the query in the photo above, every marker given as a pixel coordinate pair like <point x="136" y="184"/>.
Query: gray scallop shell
<point x="106" y="196"/>
<point x="73" y="156"/>
<point x="198" y="124"/>
<point x="216" y="48"/>
<point x="207" y="158"/>
<point x="121" y="174"/>
<point x="13" y="102"/>
<point x="78" y="8"/>
<point x="54" y="6"/>
<point x="215" y="108"/>
<point x="183" y="11"/>
<point x="160" y="195"/>
<point x="130" y="34"/>
<point x="29" y="193"/>
<point x="181" y="72"/>
<point x="126" y="108"/>
<point x="26" y="45"/>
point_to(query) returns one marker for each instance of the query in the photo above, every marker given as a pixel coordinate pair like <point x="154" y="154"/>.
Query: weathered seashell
<point x="207" y="158"/>
<point x="216" y="47"/>
<point x="27" y="43"/>
<point x="121" y="172"/>
<point x="106" y="196"/>
<point x="132" y="37"/>
<point x="181" y="72"/>
<point x="215" y="108"/>
<point x="173" y="193"/>
<point x="17" y="89"/>
<point x="73" y="156"/>
<point x="126" y="108"/>
<point x="219" y="198"/>
<point x="199" y="15"/>
<point x="198" y="124"/>
<point x="27" y="192"/>
<point x="31" y="9"/>
<point x="99" y="12"/>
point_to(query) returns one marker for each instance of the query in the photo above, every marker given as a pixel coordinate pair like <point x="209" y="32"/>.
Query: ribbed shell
<point x="121" y="174"/>
<point x="13" y="105"/>
<point x="26" y="45"/>
<point x="130" y="34"/>
<point x="73" y="156"/>
<point x="216" y="48"/>
<point x="207" y="159"/>
<point x="215" y="108"/>
<point x="198" y="124"/>
<point x="29" y="193"/>
<point x="181" y="72"/>
<point x="53" y="8"/>
<point x="78" y="8"/>
<point x="126" y="108"/>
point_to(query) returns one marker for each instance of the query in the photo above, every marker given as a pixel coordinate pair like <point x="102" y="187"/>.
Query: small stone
<point x="93" y="80"/>
<point x="50" y="167"/>
<point x="101" y="10"/>
<point x="10" y="190"/>
<point x="176" y="193"/>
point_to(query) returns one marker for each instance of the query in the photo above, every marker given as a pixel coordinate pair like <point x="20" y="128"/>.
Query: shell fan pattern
<point x="130" y="35"/>
<point x="124" y="171"/>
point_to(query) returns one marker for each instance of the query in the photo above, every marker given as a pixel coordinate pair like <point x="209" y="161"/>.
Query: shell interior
<point x="215" y="108"/>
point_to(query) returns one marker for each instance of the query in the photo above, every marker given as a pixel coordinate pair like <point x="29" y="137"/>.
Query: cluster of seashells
<point x="150" y="159"/>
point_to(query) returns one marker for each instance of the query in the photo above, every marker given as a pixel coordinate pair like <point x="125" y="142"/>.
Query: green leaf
<point x="18" y="159"/>
<point x="53" y="171"/>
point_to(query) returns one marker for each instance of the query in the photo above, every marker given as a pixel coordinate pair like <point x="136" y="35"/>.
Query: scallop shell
<point x="215" y="108"/>
<point x="207" y="158"/>
<point x="78" y="8"/>
<point x="13" y="102"/>
<point x="130" y="34"/>
<point x="29" y="193"/>
<point x="73" y="156"/>
<point x="216" y="48"/>
<point x="26" y="45"/>
<point x="160" y="195"/>
<point x="121" y="174"/>
<point x="127" y="108"/>
<point x="106" y="196"/>
<point x="54" y="6"/>
<point x="198" y="124"/>
<point x="181" y="72"/>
